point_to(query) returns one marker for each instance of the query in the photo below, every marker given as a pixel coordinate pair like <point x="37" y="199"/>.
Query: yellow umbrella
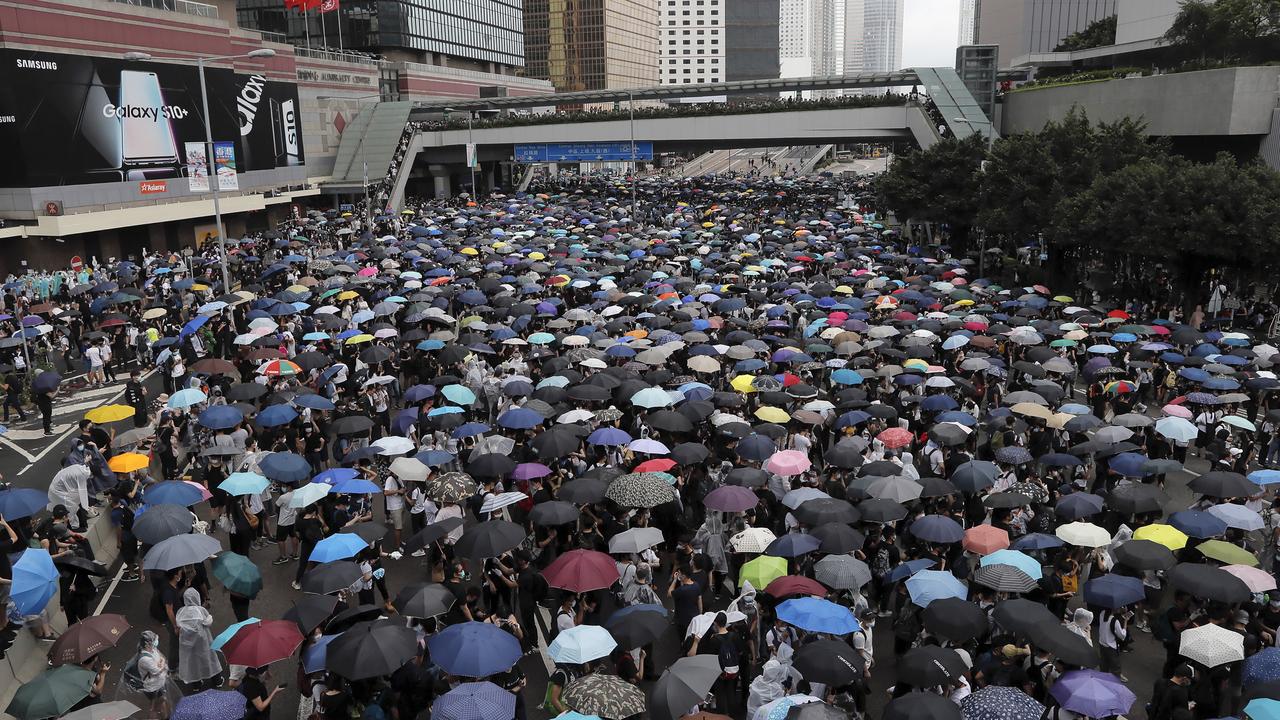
<point x="128" y="462"/>
<point x="109" y="413"/>
<point x="1063" y="298"/>
<point x="762" y="571"/>
<point x="916" y="363"/>
<point x="1167" y="535"/>
<point x="356" y="339"/>
<point x="154" y="313"/>
<point x="964" y="303"/>
<point x="348" y="295"/>
<point x="743" y="383"/>
<point x="199" y="287"/>
<point x="469" y="251"/>
<point x="535" y="255"/>
<point x="298" y="289"/>
<point x="768" y="413"/>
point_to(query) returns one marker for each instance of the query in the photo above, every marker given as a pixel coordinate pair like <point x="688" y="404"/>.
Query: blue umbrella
<point x="276" y="415"/>
<point x="333" y="476"/>
<point x="435" y="458"/>
<point x="474" y="649"/>
<point x="1025" y="563"/>
<point x="46" y="381"/>
<point x="793" y="545"/>
<point x="608" y="436"/>
<point x="937" y="529"/>
<point x="845" y="376"/>
<point x="1264" y="477"/>
<point x="458" y="394"/>
<point x="1037" y="541"/>
<point x="1059" y="460"/>
<point x="902" y="571"/>
<point x="756" y="447"/>
<point x="520" y="419"/>
<point x="929" y="585"/>
<point x="193" y="325"/>
<point x="223" y="637"/>
<point x="221" y="417"/>
<point x="313" y="660"/>
<point x="187" y="397"/>
<point x="418" y="393"/>
<point x="172" y="492"/>
<point x="210" y="705"/>
<point x="1114" y="591"/>
<point x="581" y="644"/>
<point x="243" y="483"/>
<point x="476" y="701"/>
<point x="338" y="546"/>
<point x="18" y="503"/>
<point x="356" y="486"/>
<point x="818" y="615"/>
<point x="34" y="581"/>
<point x="1262" y="666"/>
<point x="313" y="401"/>
<point x="470" y="429"/>
<point x="1262" y="709"/>
<point x="1078" y="505"/>
<point x="1129" y="464"/>
<point x="1198" y="524"/>
<point x="285" y="467"/>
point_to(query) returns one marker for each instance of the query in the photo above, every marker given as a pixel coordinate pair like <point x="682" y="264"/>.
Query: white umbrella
<point x="576" y="416"/>
<point x="1239" y="422"/>
<point x="635" y="540"/>
<point x="796" y="498"/>
<point x="410" y="469"/>
<point x="1177" y="429"/>
<point x="1211" y="645"/>
<point x="393" y="445"/>
<point x="1083" y="534"/>
<point x="497" y="502"/>
<point x="752" y="540"/>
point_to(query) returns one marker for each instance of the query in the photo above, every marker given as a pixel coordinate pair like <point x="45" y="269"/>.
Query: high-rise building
<point x="691" y="41"/>
<point x="594" y="44"/>
<point x="881" y="36"/>
<point x="751" y="37"/>
<point x="794" y="24"/>
<point x="1021" y="27"/>
<point x="968" y="22"/>
<point x="485" y="35"/>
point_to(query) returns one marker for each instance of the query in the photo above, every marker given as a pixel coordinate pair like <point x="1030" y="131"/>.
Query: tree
<point x="938" y="185"/>
<point x="1098" y="33"/>
<point x="1227" y="30"/>
<point x="1020" y="187"/>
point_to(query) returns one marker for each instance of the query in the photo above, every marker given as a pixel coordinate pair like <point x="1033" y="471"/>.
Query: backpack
<point x="729" y="657"/>
<point x="1163" y="630"/>
<point x="622" y="584"/>
<point x="906" y="624"/>
<point x="880" y="562"/>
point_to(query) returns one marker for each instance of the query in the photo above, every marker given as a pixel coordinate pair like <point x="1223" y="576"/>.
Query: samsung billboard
<point x="73" y="119"/>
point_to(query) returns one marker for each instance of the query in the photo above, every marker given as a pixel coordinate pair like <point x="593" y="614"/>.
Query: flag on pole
<point x="304" y="5"/>
<point x="328" y="5"/>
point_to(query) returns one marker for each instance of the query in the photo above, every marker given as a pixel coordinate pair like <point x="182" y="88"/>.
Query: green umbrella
<point x="51" y="693"/>
<point x="238" y="574"/>
<point x="1227" y="553"/>
<point x="762" y="571"/>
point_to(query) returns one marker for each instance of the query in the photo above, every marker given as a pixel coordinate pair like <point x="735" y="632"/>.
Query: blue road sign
<point x="583" y="152"/>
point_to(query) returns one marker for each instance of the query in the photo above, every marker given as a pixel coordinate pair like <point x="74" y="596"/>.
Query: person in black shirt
<point x="310" y="531"/>
<point x="8" y="543"/>
<point x="686" y="595"/>
<point x="257" y="700"/>
<point x="135" y="395"/>
<point x="13" y="396"/>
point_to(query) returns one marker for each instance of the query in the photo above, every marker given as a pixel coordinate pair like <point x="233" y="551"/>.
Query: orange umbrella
<point x="985" y="539"/>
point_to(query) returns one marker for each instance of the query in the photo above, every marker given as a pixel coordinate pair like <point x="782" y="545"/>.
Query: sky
<point x="929" y="33"/>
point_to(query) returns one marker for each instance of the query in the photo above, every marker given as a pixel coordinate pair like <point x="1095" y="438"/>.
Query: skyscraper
<point x="702" y="41"/>
<point x="751" y="39"/>
<point x="968" y="22"/>
<point x="594" y="44"/>
<point x="1021" y="27"/>
<point x="881" y="36"/>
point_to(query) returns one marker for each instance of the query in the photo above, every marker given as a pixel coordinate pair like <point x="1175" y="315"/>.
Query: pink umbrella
<point x="204" y="492"/>
<point x="368" y="272"/>
<point x="1257" y="580"/>
<point x="1177" y="411"/>
<point x="985" y="539"/>
<point x="895" y="437"/>
<point x="788" y="462"/>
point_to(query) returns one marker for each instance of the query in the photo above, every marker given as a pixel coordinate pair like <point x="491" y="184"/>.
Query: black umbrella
<point x="668" y="421"/>
<point x="371" y="649"/>
<point x="555" y="512"/>
<point x="937" y="487"/>
<point x="245" y="392"/>
<point x="370" y="532"/>
<point x="689" y="453"/>
<point x="310" y="361"/>
<point x="956" y="620"/>
<point x="930" y="665"/>
<point x="820" y="511"/>
<point x="84" y="564"/>
<point x="310" y="611"/>
<point x="638" y="628"/>
<point x="432" y="533"/>
<point x="747" y="477"/>
<point x="491" y="465"/>
<point x="489" y="539"/>
<point x="836" y="537"/>
<point x="1144" y="555"/>
<point x="881" y="510"/>
<point x="351" y="425"/>
<point x="1020" y="615"/>
<point x="583" y="491"/>
<point x="1067" y="646"/>
<point x="684" y="684"/>
<point x="351" y="616"/>
<point x="1223" y="484"/>
<point x="1137" y="498"/>
<point x="555" y="443"/>
<point x="833" y="662"/>
<point x="921" y="706"/>
<point x="161" y="522"/>
<point x="424" y="600"/>
<point x="331" y="577"/>
<point x="975" y="475"/>
<point x="845" y="457"/>
<point x="1209" y="583"/>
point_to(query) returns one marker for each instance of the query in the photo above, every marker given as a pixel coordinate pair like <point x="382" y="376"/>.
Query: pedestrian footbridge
<point x="435" y="138"/>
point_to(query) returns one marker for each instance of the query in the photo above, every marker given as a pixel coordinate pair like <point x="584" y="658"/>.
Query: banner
<point x="471" y="156"/>
<point x="197" y="167"/>
<point x="75" y="119"/>
<point x="224" y="159"/>
<point x="329" y="5"/>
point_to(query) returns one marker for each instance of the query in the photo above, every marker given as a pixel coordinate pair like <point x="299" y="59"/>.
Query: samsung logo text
<point x="154" y="113"/>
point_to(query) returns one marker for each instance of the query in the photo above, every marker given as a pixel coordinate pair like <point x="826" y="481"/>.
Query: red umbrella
<point x="895" y="437"/>
<point x="581" y="571"/>
<point x="656" y="465"/>
<point x="262" y="643"/>
<point x="795" y="585"/>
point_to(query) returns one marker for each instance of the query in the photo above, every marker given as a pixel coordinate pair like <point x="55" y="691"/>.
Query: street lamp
<point x="471" y="143"/>
<point x="631" y="107"/>
<point x="363" y="162"/>
<point x="991" y="129"/>
<point x="208" y="141"/>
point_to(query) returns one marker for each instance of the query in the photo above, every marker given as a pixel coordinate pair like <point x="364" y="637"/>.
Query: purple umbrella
<point x="475" y="701"/>
<point x="1092" y="693"/>
<point x="529" y="471"/>
<point x="731" y="498"/>
<point x="210" y="705"/>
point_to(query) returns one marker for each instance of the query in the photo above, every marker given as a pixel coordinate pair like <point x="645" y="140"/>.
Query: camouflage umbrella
<point x="451" y="487"/>
<point x="641" y="490"/>
<point x="607" y="696"/>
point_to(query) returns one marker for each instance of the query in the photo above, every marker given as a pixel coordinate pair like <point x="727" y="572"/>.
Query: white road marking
<point x="111" y="589"/>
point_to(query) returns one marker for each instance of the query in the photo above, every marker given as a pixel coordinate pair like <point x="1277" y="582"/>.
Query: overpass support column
<point x="440" y="179"/>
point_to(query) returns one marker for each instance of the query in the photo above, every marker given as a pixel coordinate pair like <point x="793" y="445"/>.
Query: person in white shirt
<point x="1113" y="631"/>
<point x="394" y="493"/>
<point x="94" y="356"/>
<point x="285" y="518"/>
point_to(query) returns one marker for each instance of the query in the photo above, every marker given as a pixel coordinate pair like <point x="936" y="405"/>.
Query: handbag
<point x="249" y="518"/>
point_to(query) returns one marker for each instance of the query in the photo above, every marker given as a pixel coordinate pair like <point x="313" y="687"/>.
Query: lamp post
<point x="208" y="141"/>
<point x="631" y="107"/>
<point x="991" y="139"/>
<point x="364" y="163"/>
<point x="471" y="143"/>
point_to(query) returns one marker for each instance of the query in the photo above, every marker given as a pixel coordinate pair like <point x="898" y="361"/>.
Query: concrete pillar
<point x="440" y="180"/>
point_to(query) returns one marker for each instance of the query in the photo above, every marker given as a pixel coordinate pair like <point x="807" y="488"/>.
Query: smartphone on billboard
<point x="148" y="136"/>
<point x="284" y="132"/>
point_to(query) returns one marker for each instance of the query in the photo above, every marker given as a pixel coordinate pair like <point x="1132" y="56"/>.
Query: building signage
<point x="583" y="152"/>
<point x="82" y="119"/>
<point x="334" y="78"/>
<point x="152" y="187"/>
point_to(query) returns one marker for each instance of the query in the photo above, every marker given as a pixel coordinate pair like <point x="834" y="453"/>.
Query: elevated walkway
<point x="371" y="138"/>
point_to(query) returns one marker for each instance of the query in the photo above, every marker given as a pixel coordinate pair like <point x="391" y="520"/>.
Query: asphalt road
<point x="39" y="458"/>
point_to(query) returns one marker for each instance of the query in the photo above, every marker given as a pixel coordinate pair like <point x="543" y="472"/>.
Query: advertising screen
<point x="71" y="119"/>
